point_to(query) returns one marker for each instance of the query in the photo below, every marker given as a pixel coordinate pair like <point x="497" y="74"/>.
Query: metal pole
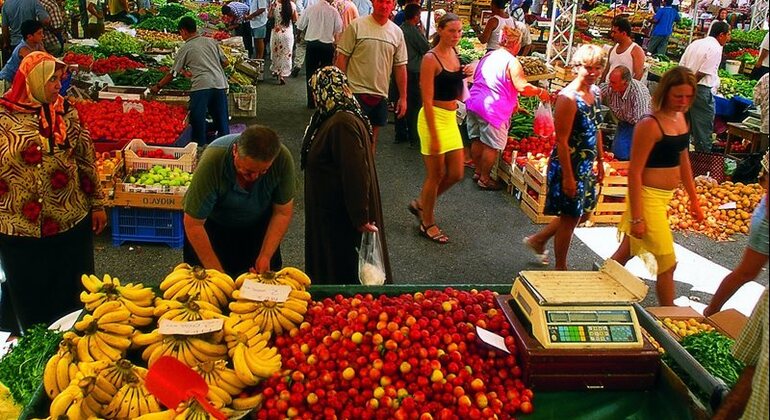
<point x="694" y="13"/>
<point x="427" y="19"/>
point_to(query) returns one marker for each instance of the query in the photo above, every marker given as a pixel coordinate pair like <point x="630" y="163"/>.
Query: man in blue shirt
<point x="664" y="20"/>
<point x="15" y="12"/>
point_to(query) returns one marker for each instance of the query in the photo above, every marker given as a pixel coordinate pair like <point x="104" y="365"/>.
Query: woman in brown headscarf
<point x="50" y="198"/>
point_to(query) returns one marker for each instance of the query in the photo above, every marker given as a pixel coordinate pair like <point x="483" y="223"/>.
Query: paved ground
<point x="485" y="228"/>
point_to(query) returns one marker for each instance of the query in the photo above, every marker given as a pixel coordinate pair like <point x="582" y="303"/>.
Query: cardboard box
<point x="729" y="322"/>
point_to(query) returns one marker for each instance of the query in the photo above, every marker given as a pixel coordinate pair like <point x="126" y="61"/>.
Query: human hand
<point x="261" y="265"/>
<point x="401" y="107"/>
<point x="544" y="95"/>
<point x="569" y="187"/>
<point x="98" y="220"/>
<point x="368" y="227"/>
<point x="154" y="89"/>
<point x="708" y="311"/>
<point x="638" y="230"/>
<point x="695" y="211"/>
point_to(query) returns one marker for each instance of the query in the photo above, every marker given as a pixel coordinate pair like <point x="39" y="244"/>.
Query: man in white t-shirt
<point x="763" y="61"/>
<point x="258" y="18"/>
<point x="370" y="50"/>
<point x="703" y="57"/>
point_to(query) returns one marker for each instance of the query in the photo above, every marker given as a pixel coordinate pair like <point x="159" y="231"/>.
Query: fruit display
<point x="113" y="64"/>
<point x="685" y="327"/>
<point x="100" y="366"/>
<point x="106" y="165"/>
<point x="719" y="223"/>
<point x="154" y="154"/>
<point x="159" y="123"/>
<point x="83" y="60"/>
<point x="533" y="66"/>
<point x="161" y="177"/>
<point x="536" y="145"/>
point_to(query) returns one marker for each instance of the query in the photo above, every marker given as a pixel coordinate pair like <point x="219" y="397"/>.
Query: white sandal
<point x="541" y="258"/>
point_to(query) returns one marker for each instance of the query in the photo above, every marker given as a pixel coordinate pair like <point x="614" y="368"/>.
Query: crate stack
<point x="533" y="194"/>
<point x="611" y="201"/>
<point x="463" y="8"/>
<point x="151" y="213"/>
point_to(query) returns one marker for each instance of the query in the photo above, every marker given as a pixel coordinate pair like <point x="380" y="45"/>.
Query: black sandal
<point x="439" y="237"/>
<point x="415" y="210"/>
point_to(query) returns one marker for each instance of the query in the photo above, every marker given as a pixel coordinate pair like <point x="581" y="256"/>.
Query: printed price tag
<point x="253" y="290"/>
<point x="728" y="206"/>
<point x="128" y="106"/>
<point x="168" y="327"/>
<point x="494" y="340"/>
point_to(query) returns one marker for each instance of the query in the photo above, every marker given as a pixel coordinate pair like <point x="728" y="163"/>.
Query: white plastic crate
<point x="185" y="157"/>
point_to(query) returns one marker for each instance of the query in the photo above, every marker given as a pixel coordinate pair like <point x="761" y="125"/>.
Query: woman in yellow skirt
<point x="660" y="161"/>
<point x="441" y="85"/>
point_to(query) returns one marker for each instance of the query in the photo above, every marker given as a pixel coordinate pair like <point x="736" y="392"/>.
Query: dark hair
<point x="401" y="2"/>
<point x="720" y="12"/>
<point x="411" y="10"/>
<point x="500" y="4"/>
<point x="622" y="24"/>
<point x="188" y="24"/>
<point x="226" y="10"/>
<point x="259" y="143"/>
<point x="286" y="12"/>
<point x="669" y="2"/>
<point x="442" y="22"/>
<point x="29" y="27"/>
<point x="719" y="28"/>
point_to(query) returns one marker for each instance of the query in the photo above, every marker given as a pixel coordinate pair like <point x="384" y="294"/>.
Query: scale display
<point x="610" y="326"/>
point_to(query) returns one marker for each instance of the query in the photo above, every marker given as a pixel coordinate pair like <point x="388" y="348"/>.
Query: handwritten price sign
<point x="168" y="327"/>
<point x="253" y="290"/>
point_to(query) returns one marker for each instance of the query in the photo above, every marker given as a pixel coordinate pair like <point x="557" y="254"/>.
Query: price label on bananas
<point x="168" y="327"/>
<point x="253" y="290"/>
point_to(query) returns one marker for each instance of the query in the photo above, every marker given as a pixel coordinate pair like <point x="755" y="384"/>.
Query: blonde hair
<point x="589" y="55"/>
<point x="510" y="36"/>
<point x="677" y="76"/>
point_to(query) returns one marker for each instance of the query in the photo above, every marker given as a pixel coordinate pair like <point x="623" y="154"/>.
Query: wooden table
<point x="757" y="141"/>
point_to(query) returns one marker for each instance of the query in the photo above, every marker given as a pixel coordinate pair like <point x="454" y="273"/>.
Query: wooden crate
<point x="609" y="206"/>
<point x="535" y="216"/>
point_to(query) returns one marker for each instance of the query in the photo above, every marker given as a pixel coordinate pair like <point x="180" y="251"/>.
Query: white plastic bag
<point x="543" y="124"/>
<point x="371" y="267"/>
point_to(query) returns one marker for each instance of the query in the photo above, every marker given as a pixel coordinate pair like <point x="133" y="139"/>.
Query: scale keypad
<point x="590" y="333"/>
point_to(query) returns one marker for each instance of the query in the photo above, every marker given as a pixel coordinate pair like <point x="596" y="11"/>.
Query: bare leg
<point x="375" y="131"/>
<point x="540" y="239"/>
<point x="488" y="156"/>
<point x="562" y="240"/>
<point x="259" y="48"/>
<point x="476" y="148"/>
<point x="748" y="269"/>
<point x="623" y="254"/>
<point x="664" y="287"/>
<point x="435" y="172"/>
<point x="453" y="164"/>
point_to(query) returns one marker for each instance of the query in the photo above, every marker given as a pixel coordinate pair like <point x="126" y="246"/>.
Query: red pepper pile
<point x="113" y="64"/>
<point x="159" y="123"/>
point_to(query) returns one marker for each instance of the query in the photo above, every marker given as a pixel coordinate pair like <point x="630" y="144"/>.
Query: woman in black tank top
<point x="659" y="163"/>
<point x="441" y="85"/>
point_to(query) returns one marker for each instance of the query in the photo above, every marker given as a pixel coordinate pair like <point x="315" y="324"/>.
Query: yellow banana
<point x="74" y="411"/>
<point x="296" y="274"/>
<point x="285" y="322"/>
<point x="83" y="349"/>
<point x="85" y="323"/>
<point x="241" y="366"/>
<point x="298" y="306"/>
<point x="142" y="340"/>
<point x="50" y="382"/>
<point x="119" y="316"/>
<point x="117" y="329"/>
<point x="103" y="390"/>
<point x="179" y="274"/>
<point x="92" y="298"/>
<point x="263" y="364"/>
<point x="136" y="294"/>
<point x="293" y="317"/>
<point x="248" y="403"/>
<point x="160" y="415"/>
<point x="181" y="288"/>
<point x="111" y="353"/>
<point x="118" y="407"/>
<point x="218" y="394"/>
<point x="300" y="294"/>
<point x="140" y="321"/>
<point x="134" y="308"/>
<point x="209" y="350"/>
<point x="90" y="407"/>
<point x="118" y="342"/>
<point x="91" y="283"/>
<point x="243" y="307"/>
<point x="106" y="308"/>
<point x="62" y="402"/>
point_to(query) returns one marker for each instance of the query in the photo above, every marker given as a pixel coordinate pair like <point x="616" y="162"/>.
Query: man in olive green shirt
<point x="240" y="203"/>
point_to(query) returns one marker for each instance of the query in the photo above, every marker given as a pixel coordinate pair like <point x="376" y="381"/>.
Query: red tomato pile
<point x="536" y="144"/>
<point x="82" y="60"/>
<point x="154" y="154"/>
<point x="159" y="123"/>
<point x="114" y="63"/>
<point x="219" y="35"/>
<point x="407" y="357"/>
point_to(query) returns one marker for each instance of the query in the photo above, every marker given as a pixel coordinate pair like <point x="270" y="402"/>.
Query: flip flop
<point x="541" y="258"/>
<point x="439" y="237"/>
<point x="476" y="177"/>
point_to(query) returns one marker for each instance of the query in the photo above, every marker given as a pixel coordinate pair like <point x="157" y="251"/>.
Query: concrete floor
<point x="485" y="228"/>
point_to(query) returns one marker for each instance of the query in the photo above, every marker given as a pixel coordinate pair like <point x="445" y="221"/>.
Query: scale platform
<point x="581" y="309"/>
<point x="568" y="369"/>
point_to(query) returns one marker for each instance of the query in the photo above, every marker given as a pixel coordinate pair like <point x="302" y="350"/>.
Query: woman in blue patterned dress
<point x="571" y="181"/>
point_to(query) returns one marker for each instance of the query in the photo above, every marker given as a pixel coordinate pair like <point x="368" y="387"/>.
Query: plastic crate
<point x="147" y="225"/>
<point x="184" y="156"/>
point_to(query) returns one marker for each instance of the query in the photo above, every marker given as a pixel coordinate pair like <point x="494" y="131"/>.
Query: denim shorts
<point x="260" y="32"/>
<point x="376" y="110"/>
<point x="758" y="233"/>
<point x="479" y="128"/>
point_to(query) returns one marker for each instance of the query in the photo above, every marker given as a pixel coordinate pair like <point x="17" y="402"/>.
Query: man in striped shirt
<point x="629" y="101"/>
<point x="233" y="14"/>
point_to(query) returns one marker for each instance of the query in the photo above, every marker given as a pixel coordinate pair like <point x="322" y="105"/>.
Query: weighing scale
<point x="579" y="330"/>
<point x="753" y="120"/>
<point x="581" y="309"/>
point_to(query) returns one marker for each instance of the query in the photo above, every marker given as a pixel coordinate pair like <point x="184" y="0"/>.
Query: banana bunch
<point x="208" y="285"/>
<point x="223" y="382"/>
<point x="288" y="276"/>
<point x="253" y="359"/>
<point x="134" y="297"/>
<point x="106" y="335"/>
<point x="246" y="403"/>
<point x="275" y="317"/>
<point x="69" y="403"/>
<point x="112" y="378"/>
<point x="131" y="401"/>
<point x="190" y="350"/>
<point x="186" y="308"/>
<point x="61" y="367"/>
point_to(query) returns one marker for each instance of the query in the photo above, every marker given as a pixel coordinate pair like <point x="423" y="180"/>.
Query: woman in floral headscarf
<point x="342" y="195"/>
<point x="50" y="198"/>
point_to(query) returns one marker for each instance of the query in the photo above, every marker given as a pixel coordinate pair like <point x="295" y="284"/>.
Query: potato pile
<point x="719" y="224"/>
<point x="533" y="66"/>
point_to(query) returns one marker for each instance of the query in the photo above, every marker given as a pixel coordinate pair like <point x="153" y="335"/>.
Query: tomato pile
<point x="114" y="63"/>
<point x="82" y="60"/>
<point x="159" y="123"/>
<point x="218" y="35"/>
<point x="154" y="154"/>
<point x="410" y="356"/>
<point x="536" y="144"/>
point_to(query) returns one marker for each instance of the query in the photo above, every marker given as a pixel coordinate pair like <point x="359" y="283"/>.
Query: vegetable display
<point x="82" y="60"/>
<point x="521" y="125"/>
<point x="467" y="51"/>
<point x="735" y="85"/>
<point x="116" y="42"/>
<point x="747" y="39"/>
<point x="533" y="66"/>
<point x="21" y="370"/>
<point x="158" y="23"/>
<point x="172" y="11"/>
<point x="114" y="63"/>
<point x="160" y="123"/>
<point x="713" y="351"/>
<point x="149" y="77"/>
